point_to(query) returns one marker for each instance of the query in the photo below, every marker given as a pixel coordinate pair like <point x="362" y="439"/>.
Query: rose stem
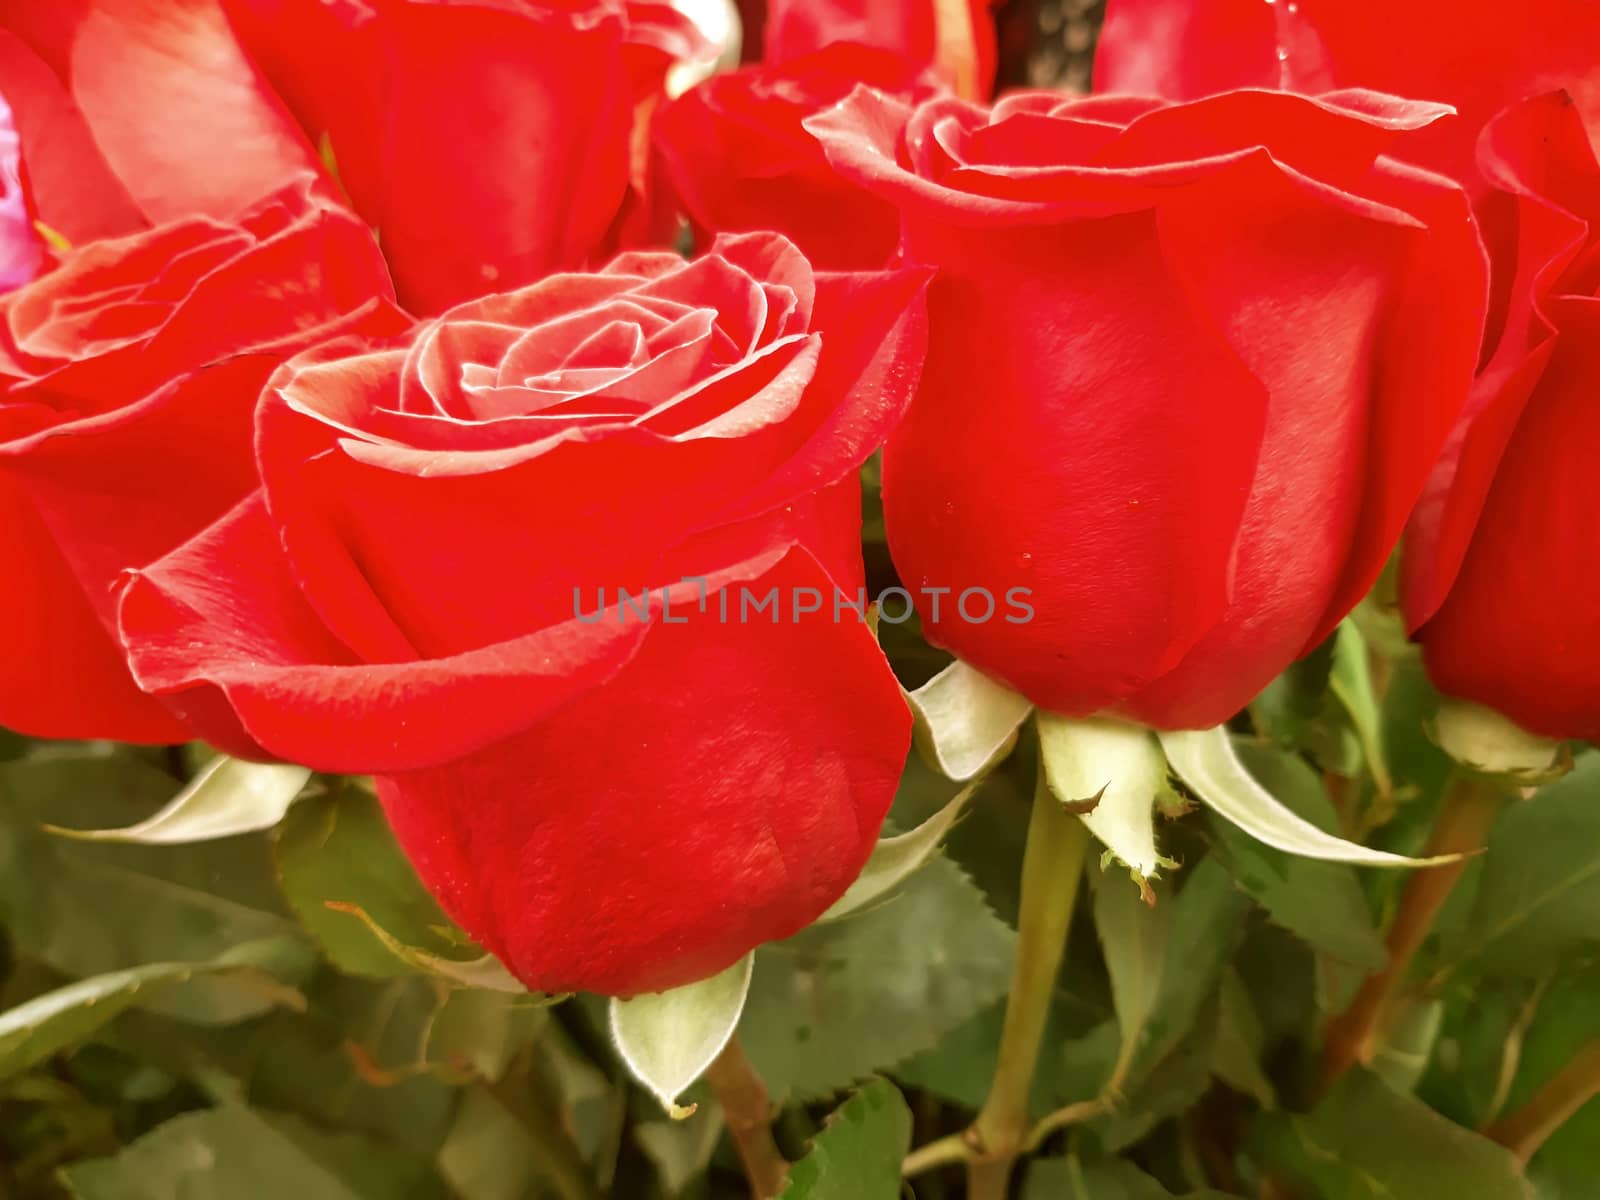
<point x="559" y="1160"/>
<point x="1525" y="1130"/>
<point x="748" y="1111"/>
<point x="1467" y="810"/>
<point x="1052" y="866"/>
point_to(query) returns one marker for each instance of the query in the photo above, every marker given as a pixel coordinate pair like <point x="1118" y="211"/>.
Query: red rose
<point x="130" y="374"/>
<point x="957" y="39"/>
<point x="21" y="251"/>
<point x="736" y="157"/>
<point x="1499" y="573"/>
<point x="487" y="141"/>
<point x="610" y="801"/>
<point x="138" y="112"/>
<point x="1477" y="55"/>
<point x="1189" y="366"/>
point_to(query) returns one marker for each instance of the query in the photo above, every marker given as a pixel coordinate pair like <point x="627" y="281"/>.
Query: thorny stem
<point x="748" y="1111"/>
<point x="1469" y="807"/>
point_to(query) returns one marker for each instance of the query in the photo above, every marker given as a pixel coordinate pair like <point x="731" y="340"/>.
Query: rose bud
<point x="735" y="157"/>
<point x="614" y="795"/>
<point x="131" y="372"/>
<point x="1498" y="575"/>
<point x="1189" y="367"/>
<point x="488" y="142"/>
<point x="1477" y="55"/>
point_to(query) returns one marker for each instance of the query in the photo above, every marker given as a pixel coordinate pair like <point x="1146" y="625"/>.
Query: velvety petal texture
<point x="722" y="790"/>
<point x="131" y="373"/>
<point x="489" y="141"/>
<point x="734" y="155"/>
<point x="507" y="563"/>
<point x="138" y="112"/>
<point x="1499" y="581"/>
<point x="1477" y="55"/>
<point x="1189" y="367"/>
<point x="955" y="38"/>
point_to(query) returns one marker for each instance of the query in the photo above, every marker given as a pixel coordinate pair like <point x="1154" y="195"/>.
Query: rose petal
<point x="1509" y="633"/>
<point x="780" y="806"/>
<point x="1083" y="506"/>
<point x="81" y="687"/>
<point x="181" y="116"/>
<point x="222" y="614"/>
<point x="1309" y="295"/>
<point x="71" y="186"/>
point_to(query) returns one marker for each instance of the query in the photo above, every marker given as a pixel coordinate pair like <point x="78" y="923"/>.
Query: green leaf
<point x="1409" y="704"/>
<point x="1280" y="972"/>
<point x="895" y="858"/>
<point x="988" y="842"/>
<point x="483" y="1030"/>
<point x="1514" y="1036"/>
<point x="680" y="1150"/>
<point x="93" y="908"/>
<point x="965" y="720"/>
<point x="1567" y="1165"/>
<point x="1320" y="902"/>
<point x="233" y="1152"/>
<point x="857" y="1155"/>
<point x="1068" y="1179"/>
<point x="838" y="1002"/>
<point x="1116" y="767"/>
<point x="960" y="1068"/>
<point x="1287" y="708"/>
<point x="1567" y="1022"/>
<point x="1171" y="1062"/>
<point x="1236" y="1052"/>
<point x="1366" y="1141"/>
<point x="1135" y="941"/>
<point x="337" y="850"/>
<point x="62" y="1018"/>
<point x="485" y="971"/>
<point x="668" y="1039"/>
<point x="360" y="1059"/>
<point x="1205" y="760"/>
<point x="1351" y="684"/>
<point x="1482" y="1031"/>
<point x="1538" y="900"/>
<point x="1174" y="1086"/>
<point x="1564" y="1020"/>
<point x="1207" y="921"/>
<point x="1408" y="1045"/>
<point x="487" y="1154"/>
<point x="228" y="797"/>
